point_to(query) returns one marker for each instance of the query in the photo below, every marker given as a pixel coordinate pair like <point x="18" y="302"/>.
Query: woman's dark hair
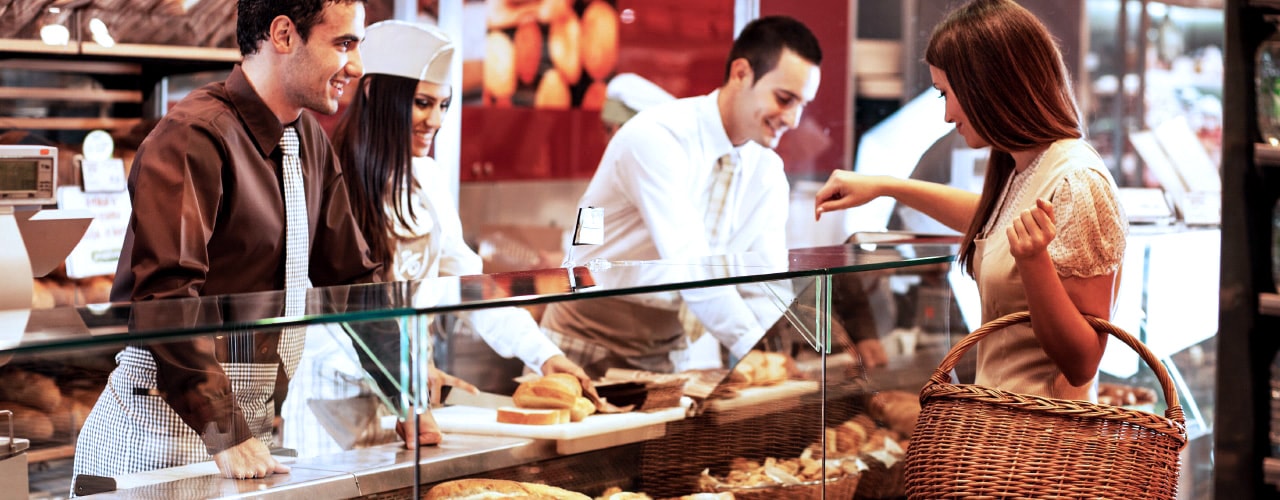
<point x="253" y="19"/>
<point x="762" y="40"/>
<point x="1006" y="70"/>
<point x="377" y="165"/>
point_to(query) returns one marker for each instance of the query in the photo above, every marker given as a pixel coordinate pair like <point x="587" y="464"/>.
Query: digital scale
<point x="27" y="175"/>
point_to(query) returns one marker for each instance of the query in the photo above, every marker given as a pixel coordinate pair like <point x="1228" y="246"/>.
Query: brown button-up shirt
<point x="208" y="219"/>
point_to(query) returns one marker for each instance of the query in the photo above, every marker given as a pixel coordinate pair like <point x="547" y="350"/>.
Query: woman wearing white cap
<point x="400" y="195"/>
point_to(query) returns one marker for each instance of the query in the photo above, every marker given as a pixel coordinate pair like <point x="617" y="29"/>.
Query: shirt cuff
<point x="535" y="349"/>
<point x="743" y="345"/>
<point x="217" y="441"/>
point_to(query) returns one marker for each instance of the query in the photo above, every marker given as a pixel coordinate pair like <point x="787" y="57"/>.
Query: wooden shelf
<point x="37" y="47"/>
<point x="167" y="52"/>
<point x="1266" y="155"/>
<point x="69" y="123"/>
<point x="1274" y="4"/>
<point x="70" y="95"/>
<point x="70" y="66"/>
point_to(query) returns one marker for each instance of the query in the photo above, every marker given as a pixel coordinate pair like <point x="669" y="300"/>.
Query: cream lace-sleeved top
<point x="1090" y="241"/>
<point x="1090" y="222"/>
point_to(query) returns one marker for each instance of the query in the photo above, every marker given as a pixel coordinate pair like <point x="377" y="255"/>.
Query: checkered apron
<point x="132" y="428"/>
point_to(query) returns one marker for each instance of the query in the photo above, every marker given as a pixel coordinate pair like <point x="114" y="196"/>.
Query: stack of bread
<point x="44" y="412"/>
<point x="553" y="399"/>
<point x="478" y="489"/>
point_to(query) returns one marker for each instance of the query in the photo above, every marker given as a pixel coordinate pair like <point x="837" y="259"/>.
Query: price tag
<point x="103" y="176"/>
<point x="590" y="227"/>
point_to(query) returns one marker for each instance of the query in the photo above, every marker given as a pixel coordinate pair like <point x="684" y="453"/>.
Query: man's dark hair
<point x="253" y="19"/>
<point x="762" y="40"/>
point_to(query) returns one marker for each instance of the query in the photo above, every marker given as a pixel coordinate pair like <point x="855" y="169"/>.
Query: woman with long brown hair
<point x="1046" y="233"/>
<point x="402" y="203"/>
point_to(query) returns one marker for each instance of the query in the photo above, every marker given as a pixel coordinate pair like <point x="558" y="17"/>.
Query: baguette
<point x="482" y="489"/>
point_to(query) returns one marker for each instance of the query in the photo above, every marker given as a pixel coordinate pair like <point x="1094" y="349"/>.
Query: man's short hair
<point x="762" y="40"/>
<point x="253" y="19"/>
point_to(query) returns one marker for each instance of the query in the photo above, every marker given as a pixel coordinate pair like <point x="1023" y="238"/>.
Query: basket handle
<point x="1174" y="411"/>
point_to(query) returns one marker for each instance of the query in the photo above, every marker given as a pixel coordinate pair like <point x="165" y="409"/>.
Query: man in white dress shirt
<point x="691" y="178"/>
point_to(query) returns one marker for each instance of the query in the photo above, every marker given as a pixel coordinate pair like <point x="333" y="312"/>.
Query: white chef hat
<point x="414" y="51"/>
<point x="628" y="94"/>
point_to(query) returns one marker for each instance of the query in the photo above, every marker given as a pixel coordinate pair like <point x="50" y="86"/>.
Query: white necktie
<point x="296" y="254"/>
<point x="717" y="218"/>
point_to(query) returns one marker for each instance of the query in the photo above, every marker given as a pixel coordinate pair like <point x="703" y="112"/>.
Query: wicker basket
<point x="973" y="441"/>
<point x="879" y="481"/>
<point x="838" y="488"/>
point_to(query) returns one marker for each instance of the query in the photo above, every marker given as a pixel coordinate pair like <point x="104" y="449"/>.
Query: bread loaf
<point x="30" y="389"/>
<point x="478" y="489"/>
<point x="762" y="368"/>
<point x="559" y="390"/>
<point x="29" y="423"/>
<point x="616" y="493"/>
<point x="897" y="409"/>
<point x="582" y="407"/>
<point x="850" y="437"/>
<point x="532" y="416"/>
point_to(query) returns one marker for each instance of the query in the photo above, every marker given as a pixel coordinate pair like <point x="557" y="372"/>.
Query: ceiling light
<point x="55" y="34"/>
<point x="101" y="36"/>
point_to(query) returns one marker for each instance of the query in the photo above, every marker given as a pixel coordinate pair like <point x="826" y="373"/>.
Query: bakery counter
<point x="358" y="358"/>
<point x="355" y="473"/>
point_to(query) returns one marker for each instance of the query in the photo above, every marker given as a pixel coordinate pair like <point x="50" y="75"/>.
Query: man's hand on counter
<point x="428" y="431"/>
<point x="248" y="460"/>
<point x="561" y="364"/>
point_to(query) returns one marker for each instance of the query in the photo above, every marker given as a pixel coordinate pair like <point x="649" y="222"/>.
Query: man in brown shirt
<point x="209" y="218"/>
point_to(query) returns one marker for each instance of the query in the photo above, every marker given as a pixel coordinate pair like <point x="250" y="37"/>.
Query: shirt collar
<point x="261" y="123"/>
<point x="712" y="126"/>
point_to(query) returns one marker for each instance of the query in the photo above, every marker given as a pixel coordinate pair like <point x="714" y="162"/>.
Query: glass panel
<point x="828" y="380"/>
<point x="96" y="324"/>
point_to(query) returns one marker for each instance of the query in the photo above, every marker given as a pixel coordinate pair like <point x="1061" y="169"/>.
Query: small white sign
<point x="99" y="251"/>
<point x="103" y="176"/>
<point x="590" y="227"/>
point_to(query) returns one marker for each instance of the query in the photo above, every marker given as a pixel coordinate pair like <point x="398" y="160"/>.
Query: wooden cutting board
<point x="592" y="433"/>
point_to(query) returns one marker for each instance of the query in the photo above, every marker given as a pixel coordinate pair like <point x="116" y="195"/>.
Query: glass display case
<point x="856" y="329"/>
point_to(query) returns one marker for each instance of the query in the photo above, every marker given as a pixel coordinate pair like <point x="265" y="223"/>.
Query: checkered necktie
<point x="296" y="254"/>
<point x="295" y="211"/>
<point x="716" y="217"/>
